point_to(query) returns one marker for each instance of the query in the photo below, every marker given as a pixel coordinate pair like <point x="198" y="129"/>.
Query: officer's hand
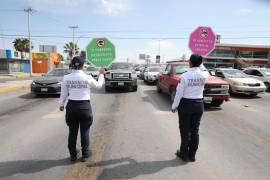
<point x="102" y="71"/>
<point x="173" y="110"/>
<point x="61" y="108"/>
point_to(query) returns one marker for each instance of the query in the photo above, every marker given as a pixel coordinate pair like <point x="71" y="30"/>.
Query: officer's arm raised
<point x="96" y="84"/>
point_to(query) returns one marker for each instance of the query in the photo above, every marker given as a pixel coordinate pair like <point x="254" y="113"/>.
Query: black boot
<point x="181" y="156"/>
<point x="86" y="157"/>
<point x="74" y="158"/>
<point x="192" y="157"/>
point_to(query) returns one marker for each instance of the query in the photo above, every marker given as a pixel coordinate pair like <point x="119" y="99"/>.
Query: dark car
<point x="121" y="75"/>
<point x="50" y="83"/>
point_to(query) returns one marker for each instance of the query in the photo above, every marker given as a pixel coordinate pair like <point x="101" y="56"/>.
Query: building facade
<point x="18" y="62"/>
<point x="14" y="62"/>
<point x="237" y="56"/>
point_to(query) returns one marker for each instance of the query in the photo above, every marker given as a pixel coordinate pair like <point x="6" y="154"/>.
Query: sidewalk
<point x="11" y="86"/>
<point x="19" y="75"/>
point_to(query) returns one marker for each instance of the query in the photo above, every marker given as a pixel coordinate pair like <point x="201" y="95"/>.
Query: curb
<point x="12" y="89"/>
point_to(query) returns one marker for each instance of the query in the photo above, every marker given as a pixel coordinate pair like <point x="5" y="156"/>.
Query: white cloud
<point x="245" y="11"/>
<point x="113" y="7"/>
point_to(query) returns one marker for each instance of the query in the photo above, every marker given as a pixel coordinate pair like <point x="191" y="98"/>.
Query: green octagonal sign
<point x="100" y="52"/>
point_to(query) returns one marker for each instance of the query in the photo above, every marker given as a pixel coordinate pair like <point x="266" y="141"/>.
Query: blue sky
<point x="135" y="26"/>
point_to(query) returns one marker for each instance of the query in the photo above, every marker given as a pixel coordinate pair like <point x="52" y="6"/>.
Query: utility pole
<point x="29" y="12"/>
<point x="73" y="36"/>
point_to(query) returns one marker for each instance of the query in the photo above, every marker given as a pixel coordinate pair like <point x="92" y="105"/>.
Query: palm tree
<point x="69" y="48"/>
<point x="21" y="45"/>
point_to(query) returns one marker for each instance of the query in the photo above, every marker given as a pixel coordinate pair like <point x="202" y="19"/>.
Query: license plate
<point x="121" y="84"/>
<point x="44" y="89"/>
<point x="208" y="99"/>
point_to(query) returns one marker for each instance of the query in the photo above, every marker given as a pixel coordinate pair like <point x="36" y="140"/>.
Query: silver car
<point x="239" y="82"/>
<point x="262" y="74"/>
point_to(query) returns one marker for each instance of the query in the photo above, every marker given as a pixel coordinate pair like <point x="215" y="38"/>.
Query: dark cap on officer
<point x="76" y="63"/>
<point x="195" y="60"/>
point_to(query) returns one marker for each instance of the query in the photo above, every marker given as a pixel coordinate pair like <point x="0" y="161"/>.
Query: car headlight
<point x="33" y="83"/>
<point x="59" y="83"/>
<point x="225" y="86"/>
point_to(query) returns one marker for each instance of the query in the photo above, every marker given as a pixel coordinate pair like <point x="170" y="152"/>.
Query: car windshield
<point x="91" y="69"/>
<point x="266" y="71"/>
<point x="154" y="69"/>
<point x="180" y="69"/>
<point x="234" y="73"/>
<point x="59" y="72"/>
<point x="124" y="66"/>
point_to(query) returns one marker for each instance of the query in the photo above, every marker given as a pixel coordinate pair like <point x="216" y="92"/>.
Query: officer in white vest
<point x="189" y="103"/>
<point x="76" y="88"/>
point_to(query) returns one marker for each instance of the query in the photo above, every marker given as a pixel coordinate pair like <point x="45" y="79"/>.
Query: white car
<point x="151" y="73"/>
<point x="239" y="82"/>
<point x="262" y="74"/>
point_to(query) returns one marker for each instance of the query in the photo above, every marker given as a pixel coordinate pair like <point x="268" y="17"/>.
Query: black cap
<point x="76" y="63"/>
<point x="196" y="60"/>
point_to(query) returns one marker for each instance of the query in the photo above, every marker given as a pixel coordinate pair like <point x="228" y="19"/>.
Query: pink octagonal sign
<point x="202" y="41"/>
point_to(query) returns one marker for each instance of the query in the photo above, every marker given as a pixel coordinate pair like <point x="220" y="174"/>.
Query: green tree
<point x="69" y="48"/>
<point x="21" y="45"/>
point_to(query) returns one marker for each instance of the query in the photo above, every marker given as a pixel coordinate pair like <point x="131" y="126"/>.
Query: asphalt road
<point x="134" y="136"/>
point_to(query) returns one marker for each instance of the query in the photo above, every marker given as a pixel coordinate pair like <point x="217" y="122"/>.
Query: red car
<point x="215" y="93"/>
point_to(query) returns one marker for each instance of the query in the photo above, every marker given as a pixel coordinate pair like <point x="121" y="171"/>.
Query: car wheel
<point x="107" y="89"/>
<point x="267" y="86"/>
<point x="231" y="91"/>
<point x="158" y="87"/>
<point x="253" y="95"/>
<point x="216" y="103"/>
<point x="172" y="94"/>
<point x="135" y="88"/>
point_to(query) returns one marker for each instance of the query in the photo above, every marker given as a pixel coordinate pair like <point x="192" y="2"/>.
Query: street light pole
<point x="73" y="36"/>
<point x="29" y="12"/>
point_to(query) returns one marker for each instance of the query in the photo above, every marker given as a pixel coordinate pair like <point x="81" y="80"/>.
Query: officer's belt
<point x="78" y="101"/>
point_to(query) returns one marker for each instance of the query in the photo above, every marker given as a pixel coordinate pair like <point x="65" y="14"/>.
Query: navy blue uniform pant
<point x="190" y="112"/>
<point x="79" y="115"/>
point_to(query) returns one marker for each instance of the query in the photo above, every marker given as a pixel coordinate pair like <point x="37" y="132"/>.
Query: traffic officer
<point x="76" y="88"/>
<point x="189" y="103"/>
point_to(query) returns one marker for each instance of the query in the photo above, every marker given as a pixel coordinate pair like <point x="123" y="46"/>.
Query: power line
<point x="119" y="37"/>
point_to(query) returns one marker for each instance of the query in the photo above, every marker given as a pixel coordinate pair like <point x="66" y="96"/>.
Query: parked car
<point x="121" y="75"/>
<point x="50" y="83"/>
<point x="240" y="82"/>
<point x="262" y="74"/>
<point x="93" y="71"/>
<point x="151" y="73"/>
<point x="215" y="92"/>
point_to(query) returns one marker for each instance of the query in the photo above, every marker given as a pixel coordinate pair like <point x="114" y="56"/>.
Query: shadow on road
<point x="243" y="96"/>
<point x="33" y="96"/>
<point x="210" y="108"/>
<point x="116" y="90"/>
<point x="132" y="168"/>
<point x="160" y="101"/>
<point x="29" y="166"/>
